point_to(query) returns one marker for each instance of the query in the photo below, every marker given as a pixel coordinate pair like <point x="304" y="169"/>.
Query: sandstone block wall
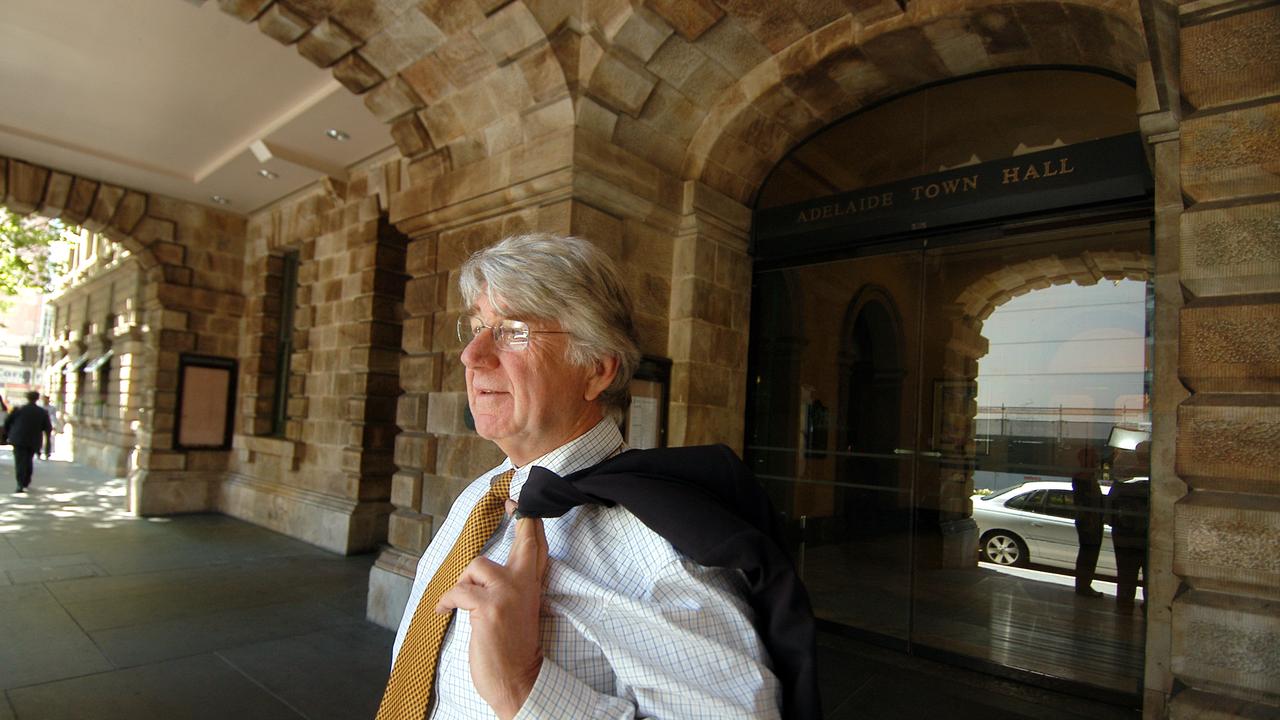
<point x="326" y="475"/>
<point x="1225" y="630"/>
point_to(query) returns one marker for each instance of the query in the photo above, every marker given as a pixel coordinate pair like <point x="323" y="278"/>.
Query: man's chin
<point x="487" y="426"/>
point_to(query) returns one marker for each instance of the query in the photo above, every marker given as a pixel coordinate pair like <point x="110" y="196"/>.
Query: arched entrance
<point x="918" y="246"/>
<point x="871" y="373"/>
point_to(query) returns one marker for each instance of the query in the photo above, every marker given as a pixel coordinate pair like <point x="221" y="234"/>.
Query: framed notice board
<point x="645" y="424"/>
<point x="206" y="403"/>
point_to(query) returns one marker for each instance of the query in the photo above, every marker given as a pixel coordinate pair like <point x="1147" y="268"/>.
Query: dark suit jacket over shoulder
<point x="708" y="505"/>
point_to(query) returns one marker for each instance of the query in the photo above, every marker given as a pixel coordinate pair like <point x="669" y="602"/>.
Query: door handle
<point x="903" y="451"/>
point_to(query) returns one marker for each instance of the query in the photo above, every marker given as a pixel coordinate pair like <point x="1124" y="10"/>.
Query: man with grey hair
<point x="594" y="613"/>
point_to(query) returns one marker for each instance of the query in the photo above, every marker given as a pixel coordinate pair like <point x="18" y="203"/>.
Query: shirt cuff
<point x="557" y="693"/>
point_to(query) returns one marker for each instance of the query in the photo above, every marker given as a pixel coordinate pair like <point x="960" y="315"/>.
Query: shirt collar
<point x="586" y="450"/>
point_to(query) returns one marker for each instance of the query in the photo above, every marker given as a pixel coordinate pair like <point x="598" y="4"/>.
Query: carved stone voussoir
<point x="326" y="43"/>
<point x="283" y="24"/>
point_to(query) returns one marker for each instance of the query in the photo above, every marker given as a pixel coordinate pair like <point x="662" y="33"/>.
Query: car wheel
<point x="1004" y="548"/>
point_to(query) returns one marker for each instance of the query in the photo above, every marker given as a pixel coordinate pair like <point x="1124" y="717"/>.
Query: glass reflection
<point x="957" y="437"/>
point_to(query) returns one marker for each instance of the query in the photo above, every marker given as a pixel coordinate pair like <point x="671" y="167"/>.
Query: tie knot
<point x="501" y="485"/>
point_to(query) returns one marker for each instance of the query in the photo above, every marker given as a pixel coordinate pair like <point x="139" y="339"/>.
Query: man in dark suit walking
<point x="25" y="429"/>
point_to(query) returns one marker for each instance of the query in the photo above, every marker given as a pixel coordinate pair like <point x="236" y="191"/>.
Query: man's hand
<point x="504" y="602"/>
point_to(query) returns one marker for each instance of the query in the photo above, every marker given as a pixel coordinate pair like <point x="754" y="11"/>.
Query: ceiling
<point x="172" y="97"/>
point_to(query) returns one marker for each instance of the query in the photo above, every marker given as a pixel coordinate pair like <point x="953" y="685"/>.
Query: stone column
<point x="709" y="314"/>
<point x="1222" y="535"/>
<point x="188" y="301"/>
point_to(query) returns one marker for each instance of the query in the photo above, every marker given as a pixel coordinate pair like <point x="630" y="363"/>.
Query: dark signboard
<point x="1087" y="173"/>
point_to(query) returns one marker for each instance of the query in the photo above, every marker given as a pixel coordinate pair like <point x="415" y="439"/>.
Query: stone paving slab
<point x="49" y="573"/>
<point x="41" y="642"/>
<point x="151" y="597"/>
<point x="152" y="642"/>
<point x="301" y="670"/>
<point x="17" y="562"/>
<point x="197" y="688"/>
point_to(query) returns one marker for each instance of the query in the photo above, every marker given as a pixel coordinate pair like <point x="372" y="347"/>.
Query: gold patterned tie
<point x="409" y="691"/>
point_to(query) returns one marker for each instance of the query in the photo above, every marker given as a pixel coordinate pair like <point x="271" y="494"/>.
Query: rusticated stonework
<point x="1226" y="643"/>
<point x="1230" y="442"/>
<point x="1235" y="59"/>
<point x="1232" y="154"/>
<point x="649" y="126"/>
<point x="1226" y="536"/>
<point x="1230" y="348"/>
<point x="1232" y="251"/>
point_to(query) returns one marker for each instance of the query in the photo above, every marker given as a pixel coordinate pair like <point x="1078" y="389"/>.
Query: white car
<point x="1034" y="523"/>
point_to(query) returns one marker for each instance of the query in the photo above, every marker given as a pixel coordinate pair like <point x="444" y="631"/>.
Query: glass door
<point x="833" y="416"/>
<point x="942" y="428"/>
<point x="1037" y="374"/>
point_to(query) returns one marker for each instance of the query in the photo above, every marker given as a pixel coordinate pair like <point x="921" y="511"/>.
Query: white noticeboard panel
<point x="643" y="423"/>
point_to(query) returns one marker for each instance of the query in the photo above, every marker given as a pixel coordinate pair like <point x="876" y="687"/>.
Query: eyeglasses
<point x="507" y="334"/>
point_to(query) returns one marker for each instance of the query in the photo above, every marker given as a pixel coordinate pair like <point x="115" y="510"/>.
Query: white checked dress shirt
<point x="635" y="629"/>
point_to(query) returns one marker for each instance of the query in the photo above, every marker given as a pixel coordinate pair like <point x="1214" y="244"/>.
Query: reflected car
<point x="1034" y="523"/>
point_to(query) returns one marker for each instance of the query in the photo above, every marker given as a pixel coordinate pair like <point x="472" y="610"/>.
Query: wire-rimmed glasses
<point x="510" y="335"/>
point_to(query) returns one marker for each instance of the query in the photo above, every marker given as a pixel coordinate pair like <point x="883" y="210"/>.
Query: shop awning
<point x="99" y="361"/>
<point x="56" y="367"/>
<point x="75" y="365"/>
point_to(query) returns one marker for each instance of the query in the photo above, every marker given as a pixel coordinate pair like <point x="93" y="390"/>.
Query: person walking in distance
<point x="25" y="429"/>
<point x="52" y="412"/>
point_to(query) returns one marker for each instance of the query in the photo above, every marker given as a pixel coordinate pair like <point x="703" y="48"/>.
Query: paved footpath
<point x="110" y="616"/>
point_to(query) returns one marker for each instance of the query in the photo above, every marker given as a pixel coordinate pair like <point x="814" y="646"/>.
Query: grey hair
<point x="566" y="280"/>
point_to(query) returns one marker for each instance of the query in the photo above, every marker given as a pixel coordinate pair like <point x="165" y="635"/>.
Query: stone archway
<point x="456" y="82"/>
<point x="967" y="345"/>
<point x="182" y="306"/>
<point x="847" y="66"/>
<point x="119" y="213"/>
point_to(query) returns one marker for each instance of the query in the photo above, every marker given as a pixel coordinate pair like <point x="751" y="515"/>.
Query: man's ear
<point x="601" y="377"/>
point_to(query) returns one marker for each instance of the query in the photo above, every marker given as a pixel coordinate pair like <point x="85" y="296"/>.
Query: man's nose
<point x="480" y="351"/>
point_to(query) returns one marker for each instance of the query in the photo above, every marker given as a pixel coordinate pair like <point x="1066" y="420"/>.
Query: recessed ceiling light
<point x="268" y="174"/>
<point x="336" y="134"/>
<point x="220" y="200"/>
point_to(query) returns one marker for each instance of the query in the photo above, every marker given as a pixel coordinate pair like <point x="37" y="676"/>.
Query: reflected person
<point x="1087" y="502"/>
<point x="1130" y="506"/>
